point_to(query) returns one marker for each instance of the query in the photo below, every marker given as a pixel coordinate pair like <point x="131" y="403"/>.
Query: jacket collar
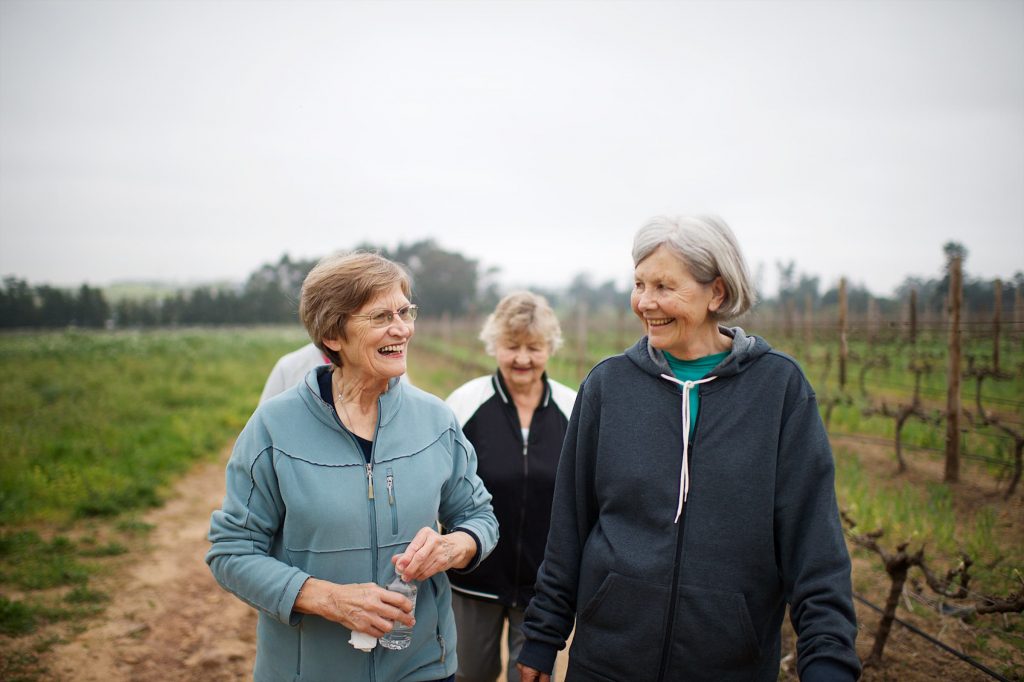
<point x="389" y="401"/>
<point x="745" y="350"/>
<point x="501" y="388"/>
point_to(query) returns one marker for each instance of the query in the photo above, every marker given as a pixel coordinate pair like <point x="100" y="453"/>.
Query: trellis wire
<point x="942" y="645"/>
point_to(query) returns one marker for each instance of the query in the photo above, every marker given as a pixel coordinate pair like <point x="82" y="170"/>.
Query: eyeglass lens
<point x="384" y="317"/>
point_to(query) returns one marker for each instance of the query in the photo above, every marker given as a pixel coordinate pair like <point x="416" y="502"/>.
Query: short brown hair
<point x="338" y="286"/>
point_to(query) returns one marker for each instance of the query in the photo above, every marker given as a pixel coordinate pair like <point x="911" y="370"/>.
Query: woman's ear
<point x="333" y="344"/>
<point x="717" y="294"/>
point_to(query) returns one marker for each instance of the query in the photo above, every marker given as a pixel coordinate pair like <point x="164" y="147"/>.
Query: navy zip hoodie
<point x="701" y="598"/>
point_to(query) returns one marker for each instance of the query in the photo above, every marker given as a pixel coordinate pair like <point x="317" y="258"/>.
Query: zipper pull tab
<point x="391" y="488"/>
<point x="369" y="481"/>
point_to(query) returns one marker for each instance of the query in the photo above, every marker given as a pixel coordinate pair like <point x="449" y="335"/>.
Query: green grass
<point x="98" y="424"/>
<point x="95" y="424"/>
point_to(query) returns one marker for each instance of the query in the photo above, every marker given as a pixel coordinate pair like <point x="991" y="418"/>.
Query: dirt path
<point x="168" y="620"/>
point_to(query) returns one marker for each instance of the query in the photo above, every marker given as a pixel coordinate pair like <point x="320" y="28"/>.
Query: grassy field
<point x="96" y="425"/>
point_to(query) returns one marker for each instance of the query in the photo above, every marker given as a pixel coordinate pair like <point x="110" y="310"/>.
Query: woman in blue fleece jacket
<point x="694" y="497"/>
<point x="338" y="483"/>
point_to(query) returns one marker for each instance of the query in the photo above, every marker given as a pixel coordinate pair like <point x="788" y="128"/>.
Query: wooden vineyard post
<point x="622" y="342"/>
<point x="581" y="340"/>
<point x="787" y="320"/>
<point x="843" y="349"/>
<point x="997" y="312"/>
<point x="1018" y="309"/>
<point x="446" y="329"/>
<point x="913" y="317"/>
<point x="952" y="474"/>
<point x="808" y="320"/>
<point x="872" y="320"/>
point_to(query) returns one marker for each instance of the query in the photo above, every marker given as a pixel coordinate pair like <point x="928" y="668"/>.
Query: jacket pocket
<point x="328" y="510"/>
<point x="713" y="633"/>
<point x="619" y="628"/>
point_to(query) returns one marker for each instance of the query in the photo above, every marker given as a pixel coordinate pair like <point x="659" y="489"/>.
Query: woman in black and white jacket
<point x="516" y="420"/>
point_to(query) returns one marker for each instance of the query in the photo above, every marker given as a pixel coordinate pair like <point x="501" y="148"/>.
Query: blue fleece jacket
<point x="702" y="598"/>
<point x="303" y="501"/>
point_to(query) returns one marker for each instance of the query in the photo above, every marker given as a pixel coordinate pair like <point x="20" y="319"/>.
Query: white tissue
<point x="362" y="641"/>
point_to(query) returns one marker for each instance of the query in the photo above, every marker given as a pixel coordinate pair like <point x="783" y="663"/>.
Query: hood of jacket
<point x="745" y="350"/>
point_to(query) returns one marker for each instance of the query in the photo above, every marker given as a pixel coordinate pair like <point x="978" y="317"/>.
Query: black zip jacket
<point x="702" y="599"/>
<point x="520" y="477"/>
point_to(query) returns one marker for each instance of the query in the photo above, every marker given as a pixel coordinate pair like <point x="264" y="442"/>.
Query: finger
<point x="377" y="627"/>
<point x="417" y="555"/>
<point x="397" y="607"/>
<point x="401" y="561"/>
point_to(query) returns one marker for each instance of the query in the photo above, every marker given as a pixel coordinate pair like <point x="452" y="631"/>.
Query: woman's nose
<point x="400" y="327"/>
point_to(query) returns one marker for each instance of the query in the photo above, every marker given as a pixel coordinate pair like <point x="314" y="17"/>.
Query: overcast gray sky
<point x="196" y="140"/>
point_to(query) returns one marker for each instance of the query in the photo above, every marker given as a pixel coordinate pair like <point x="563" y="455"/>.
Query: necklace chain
<point x="338" y="401"/>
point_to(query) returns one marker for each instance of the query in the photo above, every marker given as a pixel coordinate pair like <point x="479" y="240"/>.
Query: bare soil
<point x="169" y="621"/>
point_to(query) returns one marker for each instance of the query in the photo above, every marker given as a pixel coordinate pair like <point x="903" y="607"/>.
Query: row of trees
<point x="445" y="282"/>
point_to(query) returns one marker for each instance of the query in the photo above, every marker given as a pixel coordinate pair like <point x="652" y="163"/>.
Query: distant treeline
<point x="444" y="282"/>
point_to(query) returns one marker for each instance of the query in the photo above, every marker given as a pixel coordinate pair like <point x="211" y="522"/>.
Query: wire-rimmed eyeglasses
<point x="383" y="318"/>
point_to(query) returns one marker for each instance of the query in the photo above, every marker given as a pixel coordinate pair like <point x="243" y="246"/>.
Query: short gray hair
<point x="522" y="314"/>
<point x="708" y="249"/>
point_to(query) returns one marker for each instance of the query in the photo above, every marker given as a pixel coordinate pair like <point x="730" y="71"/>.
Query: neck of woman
<point x="355" y="388"/>
<point x="525" y="399"/>
<point x="706" y="340"/>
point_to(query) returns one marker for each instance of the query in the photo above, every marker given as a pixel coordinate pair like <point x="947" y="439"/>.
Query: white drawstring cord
<point x="684" y="473"/>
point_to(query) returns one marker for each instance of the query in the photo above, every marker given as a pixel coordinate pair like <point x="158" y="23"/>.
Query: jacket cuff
<point x="286" y="606"/>
<point x="538" y="655"/>
<point x="477" y="558"/>
<point x="827" y="670"/>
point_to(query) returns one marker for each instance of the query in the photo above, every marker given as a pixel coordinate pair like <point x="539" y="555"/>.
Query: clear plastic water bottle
<point x="401" y="634"/>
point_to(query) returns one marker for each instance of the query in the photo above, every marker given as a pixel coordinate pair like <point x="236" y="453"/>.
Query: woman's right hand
<point x="527" y="674"/>
<point x="362" y="607"/>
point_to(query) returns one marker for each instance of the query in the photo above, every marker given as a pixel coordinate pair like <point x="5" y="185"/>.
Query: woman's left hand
<point x="430" y="553"/>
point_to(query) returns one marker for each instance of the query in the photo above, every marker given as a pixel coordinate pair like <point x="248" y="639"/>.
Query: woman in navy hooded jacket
<point x="695" y="494"/>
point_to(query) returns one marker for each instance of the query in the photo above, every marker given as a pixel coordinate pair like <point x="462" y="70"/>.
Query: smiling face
<point x="522" y="360"/>
<point x="675" y="307"/>
<point x="379" y="353"/>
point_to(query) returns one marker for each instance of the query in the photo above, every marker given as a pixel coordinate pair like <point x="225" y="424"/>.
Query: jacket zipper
<point x="522" y="517"/>
<point x="666" y="644"/>
<point x="391" y="501"/>
<point x="373" y="525"/>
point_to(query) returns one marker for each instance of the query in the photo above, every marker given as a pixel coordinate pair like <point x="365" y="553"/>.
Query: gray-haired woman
<point x="516" y="419"/>
<point x="695" y="495"/>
